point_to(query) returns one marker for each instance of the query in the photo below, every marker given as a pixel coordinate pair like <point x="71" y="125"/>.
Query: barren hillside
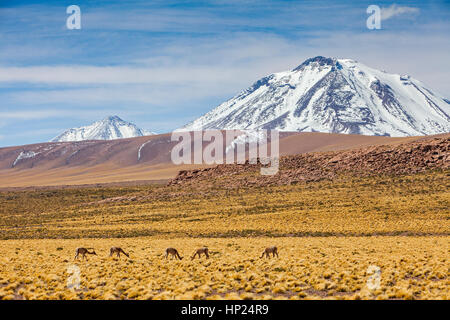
<point x="138" y="159"/>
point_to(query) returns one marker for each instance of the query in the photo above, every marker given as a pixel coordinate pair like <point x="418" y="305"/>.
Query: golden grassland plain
<point x="328" y="234"/>
<point x="316" y="267"/>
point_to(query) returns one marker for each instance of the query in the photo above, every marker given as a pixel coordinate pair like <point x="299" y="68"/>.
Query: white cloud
<point x="38" y="132"/>
<point x="192" y="72"/>
<point x="182" y="73"/>
<point x="122" y="75"/>
<point x="115" y="96"/>
<point x="223" y="62"/>
<point x="394" y="10"/>
<point x="25" y="115"/>
<point x="50" y="113"/>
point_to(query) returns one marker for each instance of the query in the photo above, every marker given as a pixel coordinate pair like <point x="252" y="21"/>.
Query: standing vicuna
<point x="199" y="252"/>
<point x="173" y="252"/>
<point x="83" y="252"/>
<point x="268" y="251"/>
<point x="117" y="251"/>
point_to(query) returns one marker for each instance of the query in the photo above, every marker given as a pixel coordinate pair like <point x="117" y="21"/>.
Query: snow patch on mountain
<point x="140" y="149"/>
<point x="109" y="128"/>
<point x="335" y="96"/>
<point x="25" y="155"/>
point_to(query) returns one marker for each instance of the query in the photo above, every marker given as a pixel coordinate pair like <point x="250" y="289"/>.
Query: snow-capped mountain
<point x="109" y="128"/>
<point x="335" y="96"/>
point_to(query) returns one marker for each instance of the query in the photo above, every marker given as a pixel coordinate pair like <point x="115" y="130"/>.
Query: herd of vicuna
<point x="169" y="251"/>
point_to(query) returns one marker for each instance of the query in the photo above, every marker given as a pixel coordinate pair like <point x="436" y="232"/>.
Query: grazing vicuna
<point x="83" y="252"/>
<point x="173" y="252"/>
<point x="117" y="251"/>
<point x="199" y="252"/>
<point x="268" y="251"/>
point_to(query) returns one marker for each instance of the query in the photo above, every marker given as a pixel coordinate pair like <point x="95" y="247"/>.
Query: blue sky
<point x="161" y="64"/>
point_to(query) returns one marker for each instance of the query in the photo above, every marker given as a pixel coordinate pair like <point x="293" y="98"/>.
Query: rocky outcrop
<point x="408" y="158"/>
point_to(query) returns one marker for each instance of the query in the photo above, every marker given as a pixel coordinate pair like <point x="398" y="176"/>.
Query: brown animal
<point x="83" y="252"/>
<point x="173" y="252"/>
<point x="268" y="251"/>
<point x="199" y="252"/>
<point x="117" y="251"/>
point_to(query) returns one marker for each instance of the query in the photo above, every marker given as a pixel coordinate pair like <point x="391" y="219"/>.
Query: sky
<point x="162" y="64"/>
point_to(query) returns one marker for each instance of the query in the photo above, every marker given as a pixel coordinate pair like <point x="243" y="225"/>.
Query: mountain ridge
<point x="109" y="128"/>
<point x="140" y="158"/>
<point x="333" y="96"/>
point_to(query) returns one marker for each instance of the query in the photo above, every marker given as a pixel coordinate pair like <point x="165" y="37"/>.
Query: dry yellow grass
<point x="328" y="268"/>
<point x="404" y="205"/>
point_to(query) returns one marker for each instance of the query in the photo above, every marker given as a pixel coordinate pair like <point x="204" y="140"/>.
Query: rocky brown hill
<point x="407" y="158"/>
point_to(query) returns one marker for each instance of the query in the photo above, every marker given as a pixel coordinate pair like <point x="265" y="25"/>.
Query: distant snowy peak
<point x="335" y="96"/>
<point x="109" y="128"/>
